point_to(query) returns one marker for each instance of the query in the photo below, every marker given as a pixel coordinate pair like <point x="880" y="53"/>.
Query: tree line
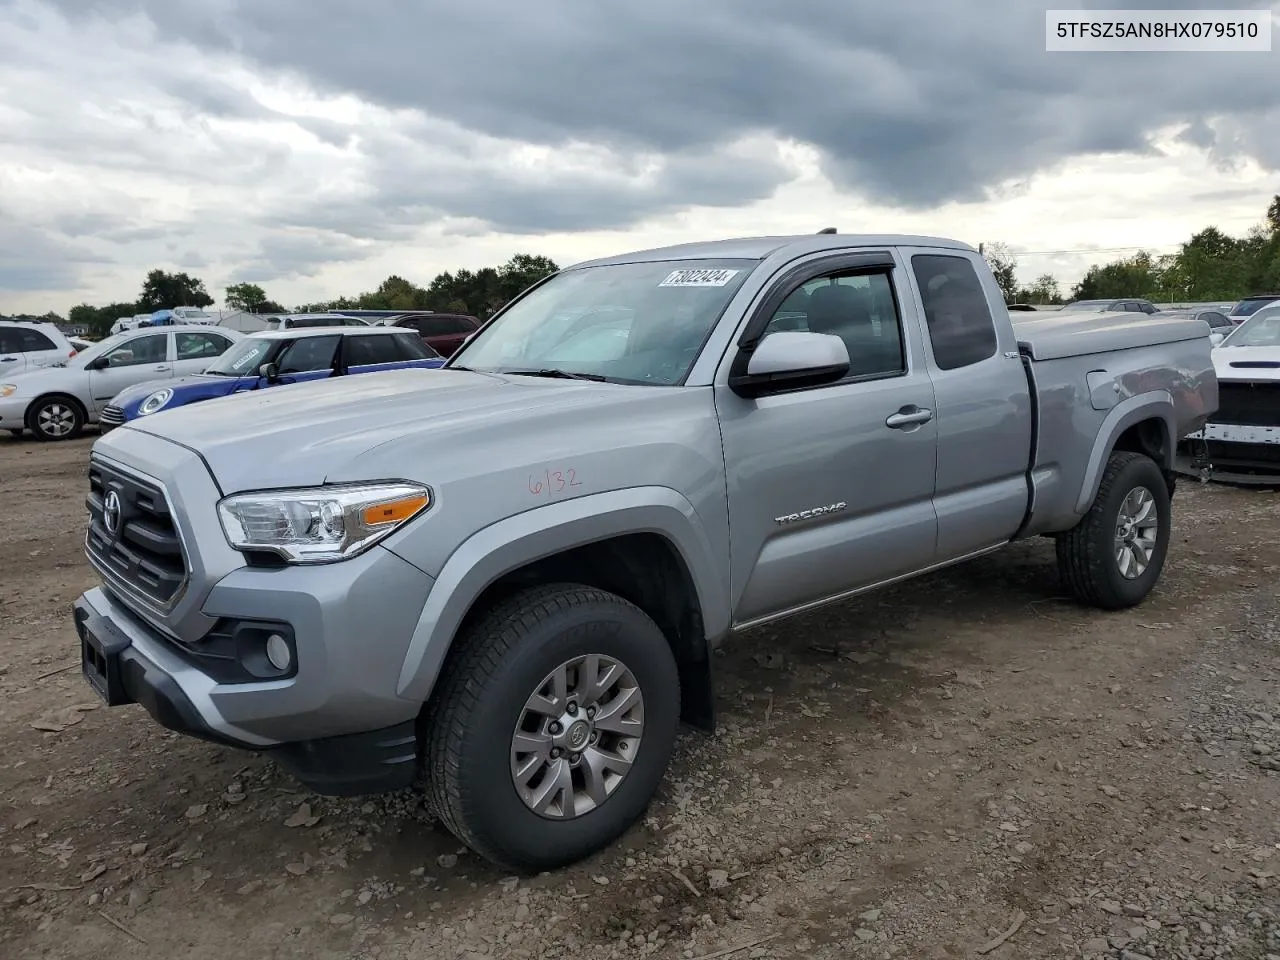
<point x="1210" y="266"/>
<point x="476" y="292"/>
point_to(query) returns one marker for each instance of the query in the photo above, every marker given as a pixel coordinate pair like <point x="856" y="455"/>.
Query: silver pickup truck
<point x="508" y="574"/>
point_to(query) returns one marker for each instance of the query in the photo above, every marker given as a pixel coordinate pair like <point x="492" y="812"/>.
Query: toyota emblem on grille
<point x="111" y="512"/>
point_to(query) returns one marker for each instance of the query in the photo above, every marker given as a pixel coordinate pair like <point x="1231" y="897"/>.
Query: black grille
<point x="1248" y="404"/>
<point x="1261" y="458"/>
<point x="111" y="416"/>
<point x="143" y="552"/>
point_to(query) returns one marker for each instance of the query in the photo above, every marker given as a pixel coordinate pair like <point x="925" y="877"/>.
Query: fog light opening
<point x="278" y="652"/>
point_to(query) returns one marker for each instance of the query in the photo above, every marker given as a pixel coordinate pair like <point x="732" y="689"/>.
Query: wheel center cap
<point x="577" y="735"/>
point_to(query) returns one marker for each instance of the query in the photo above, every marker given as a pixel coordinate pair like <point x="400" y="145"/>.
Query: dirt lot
<point x="909" y="775"/>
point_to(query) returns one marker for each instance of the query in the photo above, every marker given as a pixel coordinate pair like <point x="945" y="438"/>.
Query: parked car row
<point x="55" y="402"/>
<point x="442" y="332"/>
<point x="143" y="371"/>
<point x="276" y="358"/>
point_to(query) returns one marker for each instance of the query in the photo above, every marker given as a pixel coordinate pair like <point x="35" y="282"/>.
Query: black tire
<point x="501" y="661"/>
<point x="1087" y="553"/>
<point x="66" y="410"/>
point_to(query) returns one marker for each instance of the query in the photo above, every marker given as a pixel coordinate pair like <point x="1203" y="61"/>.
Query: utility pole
<point x="980" y="246"/>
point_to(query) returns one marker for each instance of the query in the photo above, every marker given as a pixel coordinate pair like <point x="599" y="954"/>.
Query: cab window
<point x="860" y="309"/>
<point x="962" y="331"/>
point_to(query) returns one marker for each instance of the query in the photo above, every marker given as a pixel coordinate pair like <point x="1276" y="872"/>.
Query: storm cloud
<point x="567" y="116"/>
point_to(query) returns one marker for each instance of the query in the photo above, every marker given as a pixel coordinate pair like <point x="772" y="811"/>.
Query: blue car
<point x="274" y="358"/>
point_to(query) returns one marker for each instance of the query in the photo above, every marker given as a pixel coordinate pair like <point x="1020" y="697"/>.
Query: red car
<point x="443" y="332"/>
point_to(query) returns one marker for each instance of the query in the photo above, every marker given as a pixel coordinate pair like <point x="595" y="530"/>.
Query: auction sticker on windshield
<point x="698" y="278"/>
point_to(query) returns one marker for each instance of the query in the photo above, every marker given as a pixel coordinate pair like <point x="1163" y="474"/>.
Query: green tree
<point x="99" y="320"/>
<point x="1043" y="290"/>
<point x="161" y="291"/>
<point x="1135" y="276"/>
<point x="1004" y="266"/>
<point x="394" y="293"/>
<point x="246" y="296"/>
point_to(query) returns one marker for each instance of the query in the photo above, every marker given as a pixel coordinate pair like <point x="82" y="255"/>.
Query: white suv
<point x="28" y="345"/>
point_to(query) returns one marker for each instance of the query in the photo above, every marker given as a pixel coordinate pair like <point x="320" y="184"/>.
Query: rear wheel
<point x="56" y="418"/>
<point x="552" y="727"/>
<point x="1113" y="557"/>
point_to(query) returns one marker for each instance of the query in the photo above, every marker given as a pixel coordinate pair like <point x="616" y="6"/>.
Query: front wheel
<point x="56" y="418"/>
<point x="1113" y="557"/>
<point x="553" y="726"/>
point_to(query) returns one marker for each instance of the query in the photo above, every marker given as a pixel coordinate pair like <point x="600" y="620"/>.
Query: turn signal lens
<point x="394" y="511"/>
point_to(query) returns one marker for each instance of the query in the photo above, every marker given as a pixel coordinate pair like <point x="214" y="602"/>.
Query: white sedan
<point x="55" y="403"/>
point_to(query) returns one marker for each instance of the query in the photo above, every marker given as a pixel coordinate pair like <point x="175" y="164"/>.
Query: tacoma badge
<point x="809" y="514"/>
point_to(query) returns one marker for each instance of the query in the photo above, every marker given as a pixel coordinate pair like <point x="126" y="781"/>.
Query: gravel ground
<point x="916" y="774"/>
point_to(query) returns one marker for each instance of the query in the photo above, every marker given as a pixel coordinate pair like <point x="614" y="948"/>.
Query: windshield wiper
<point x="552" y="373"/>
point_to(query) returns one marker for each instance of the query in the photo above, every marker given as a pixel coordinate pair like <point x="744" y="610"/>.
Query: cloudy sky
<point x="316" y="146"/>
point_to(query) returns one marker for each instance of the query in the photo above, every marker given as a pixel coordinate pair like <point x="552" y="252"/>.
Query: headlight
<point x="320" y="524"/>
<point x="155" y="402"/>
<point x="7" y="389"/>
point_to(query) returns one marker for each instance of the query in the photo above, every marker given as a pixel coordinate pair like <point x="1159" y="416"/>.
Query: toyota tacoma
<point x="507" y="576"/>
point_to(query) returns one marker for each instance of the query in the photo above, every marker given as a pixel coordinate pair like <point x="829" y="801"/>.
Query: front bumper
<point x="125" y="664"/>
<point x="1232" y="453"/>
<point x="13" y="412"/>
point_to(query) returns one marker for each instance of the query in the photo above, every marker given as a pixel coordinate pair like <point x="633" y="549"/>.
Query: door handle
<point x="162" y="368"/>
<point x="908" y="417"/>
<point x="8" y="359"/>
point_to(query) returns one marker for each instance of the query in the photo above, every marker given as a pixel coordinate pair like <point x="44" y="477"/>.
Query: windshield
<point x="243" y="359"/>
<point x="1251" y="305"/>
<point x="1260" y="330"/>
<point x="641" y="323"/>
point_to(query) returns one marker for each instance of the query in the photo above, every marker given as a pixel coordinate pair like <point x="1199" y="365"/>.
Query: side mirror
<point x="99" y="363"/>
<point x="790" y="359"/>
<point x="1217" y="338"/>
<point x="269" y="372"/>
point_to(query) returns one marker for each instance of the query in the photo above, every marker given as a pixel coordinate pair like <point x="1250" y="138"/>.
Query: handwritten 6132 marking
<point x="553" y="481"/>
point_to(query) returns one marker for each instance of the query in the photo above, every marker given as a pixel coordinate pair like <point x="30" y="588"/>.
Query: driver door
<point x="137" y="360"/>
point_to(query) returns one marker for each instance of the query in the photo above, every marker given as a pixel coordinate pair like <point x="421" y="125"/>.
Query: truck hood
<point x="307" y="433"/>
<point x="1247" y="363"/>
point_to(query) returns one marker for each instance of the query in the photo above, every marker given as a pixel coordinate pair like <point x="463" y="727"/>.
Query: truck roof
<point x="758" y="248"/>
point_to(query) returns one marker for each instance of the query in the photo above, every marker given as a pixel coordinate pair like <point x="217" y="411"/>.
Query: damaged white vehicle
<point x="1241" y="441"/>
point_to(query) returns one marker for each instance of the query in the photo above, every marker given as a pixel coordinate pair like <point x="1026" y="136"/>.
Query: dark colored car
<point x="1131" y="305"/>
<point x="1216" y="319"/>
<point x="443" y="332"/>
<point x="1250" y="305"/>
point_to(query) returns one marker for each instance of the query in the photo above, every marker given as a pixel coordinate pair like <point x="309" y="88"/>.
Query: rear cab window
<point x="957" y="313"/>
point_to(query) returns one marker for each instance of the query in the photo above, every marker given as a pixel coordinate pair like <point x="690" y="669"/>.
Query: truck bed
<point x="1050" y="335"/>
<point x="1102" y="379"/>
